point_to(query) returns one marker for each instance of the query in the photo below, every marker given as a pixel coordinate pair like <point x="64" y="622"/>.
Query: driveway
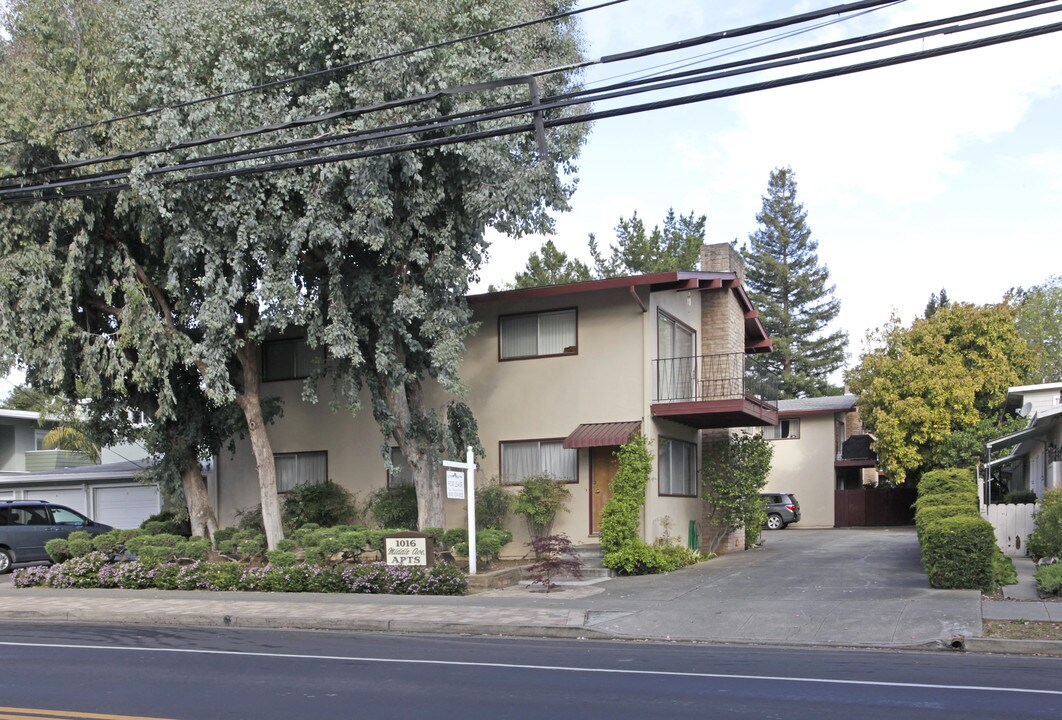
<point x="843" y="586"/>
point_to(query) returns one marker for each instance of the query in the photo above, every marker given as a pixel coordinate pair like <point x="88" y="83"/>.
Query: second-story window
<point x="676" y="364"/>
<point x="286" y="359"/>
<point x="538" y="335"/>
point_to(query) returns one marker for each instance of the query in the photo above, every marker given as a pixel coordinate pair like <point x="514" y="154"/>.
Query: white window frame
<point x="301" y="477"/>
<point x="670" y="461"/>
<point x="539" y="462"/>
<point x="505" y="351"/>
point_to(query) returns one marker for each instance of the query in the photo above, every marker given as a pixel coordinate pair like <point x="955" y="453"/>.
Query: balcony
<point x="715" y="391"/>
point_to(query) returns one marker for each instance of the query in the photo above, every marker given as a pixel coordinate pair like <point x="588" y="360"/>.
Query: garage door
<point x="7" y="495"/>
<point x="125" y="507"/>
<point x="71" y="497"/>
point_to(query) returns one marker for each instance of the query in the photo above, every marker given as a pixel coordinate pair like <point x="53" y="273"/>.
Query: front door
<point x="602" y="469"/>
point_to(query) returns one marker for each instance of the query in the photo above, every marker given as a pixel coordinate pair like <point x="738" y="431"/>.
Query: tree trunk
<point x="250" y="401"/>
<point x="404" y="401"/>
<point x="200" y="514"/>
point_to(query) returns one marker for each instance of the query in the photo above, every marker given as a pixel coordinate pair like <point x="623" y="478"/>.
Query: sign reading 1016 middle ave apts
<point x="409" y="548"/>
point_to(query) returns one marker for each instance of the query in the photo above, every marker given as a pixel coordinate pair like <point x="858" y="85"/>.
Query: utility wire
<point x="330" y="71"/>
<point x="500" y="112"/>
<point x="669" y="47"/>
<point x="586" y="117"/>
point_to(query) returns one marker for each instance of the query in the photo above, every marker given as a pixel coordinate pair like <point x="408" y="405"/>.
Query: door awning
<point x="602" y="434"/>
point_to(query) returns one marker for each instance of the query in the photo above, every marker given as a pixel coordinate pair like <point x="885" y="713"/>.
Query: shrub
<point x="734" y="473"/>
<point x="489" y="543"/>
<point x="155" y="555"/>
<point x="455" y="536"/>
<point x="192" y="549"/>
<point x="1020" y="497"/>
<point x="1003" y="570"/>
<point x="283" y="558"/>
<point x="957" y="552"/>
<point x="1046" y="539"/>
<point x="931" y="514"/>
<point x="556" y="556"/>
<point x="109" y="542"/>
<point x="641" y="558"/>
<point x="621" y="516"/>
<point x="58" y="549"/>
<point x="79" y="547"/>
<point x="1049" y="579"/>
<point x="167" y="522"/>
<point x="243" y="544"/>
<point x="250" y="519"/>
<point x="492" y="505"/>
<point x="394" y="507"/>
<point x="539" y="500"/>
<point x="321" y="504"/>
<point x="947" y="481"/>
<point x="964" y="497"/>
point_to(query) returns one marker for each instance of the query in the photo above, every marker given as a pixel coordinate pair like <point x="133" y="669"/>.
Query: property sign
<point x="455" y="485"/>
<point x="409" y="549"/>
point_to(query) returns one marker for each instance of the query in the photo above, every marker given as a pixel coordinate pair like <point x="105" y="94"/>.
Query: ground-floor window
<point x="522" y="459"/>
<point x="305" y="468"/>
<point x="678" y="467"/>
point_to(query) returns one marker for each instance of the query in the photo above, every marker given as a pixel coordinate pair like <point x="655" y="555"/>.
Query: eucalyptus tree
<point x="372" y="256"/>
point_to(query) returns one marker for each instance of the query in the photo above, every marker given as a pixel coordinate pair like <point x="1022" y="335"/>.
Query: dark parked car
<point x="782" y="509"/>
<point x="26" y="525"/>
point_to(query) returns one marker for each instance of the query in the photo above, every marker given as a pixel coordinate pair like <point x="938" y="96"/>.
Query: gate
<point x="1013" y="525"/>
<point x="885" y="507"/>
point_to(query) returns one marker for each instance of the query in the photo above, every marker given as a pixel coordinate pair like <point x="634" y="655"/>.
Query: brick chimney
<point x="722" y="257"/>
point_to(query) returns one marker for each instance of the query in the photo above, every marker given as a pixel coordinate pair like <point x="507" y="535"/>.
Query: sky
<point x="943" y="173"/>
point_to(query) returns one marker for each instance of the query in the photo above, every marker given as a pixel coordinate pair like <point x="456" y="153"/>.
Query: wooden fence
<point x="1013" y="524"/>
<point x="877" y="507"/>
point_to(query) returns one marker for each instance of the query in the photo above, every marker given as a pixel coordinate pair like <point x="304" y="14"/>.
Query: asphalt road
<point x="191" y="673"/>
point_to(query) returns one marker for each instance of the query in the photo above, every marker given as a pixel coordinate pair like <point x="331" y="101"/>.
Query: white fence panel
<point x="1013" y="524"/>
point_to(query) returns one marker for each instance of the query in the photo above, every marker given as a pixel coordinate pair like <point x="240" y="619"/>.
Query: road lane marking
<point x="546" y="668"/>
<point x="37" y="714"/>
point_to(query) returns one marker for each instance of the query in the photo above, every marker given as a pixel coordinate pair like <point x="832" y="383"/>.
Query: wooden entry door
<point x="603" y="467"/>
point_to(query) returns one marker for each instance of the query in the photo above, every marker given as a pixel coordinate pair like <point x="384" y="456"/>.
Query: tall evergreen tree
<point x="676" y="246"/>
<point x="552" y="267"/>
<point x="789" y="287"/>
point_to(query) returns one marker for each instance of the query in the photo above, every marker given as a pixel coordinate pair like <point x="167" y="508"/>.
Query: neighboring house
<point x="1031" y="461"/>
<point x="820" y="452"/>
<point x="558" y="377"/>
<point x="108" y="493"/>
<point x="1028" y="459"/>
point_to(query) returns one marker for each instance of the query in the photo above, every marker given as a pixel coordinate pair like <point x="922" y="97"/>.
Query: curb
<point x="1051" y="648"/>
<point x="264" y="621"/>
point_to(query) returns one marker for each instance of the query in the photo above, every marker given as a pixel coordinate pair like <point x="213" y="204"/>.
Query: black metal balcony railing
<point x="705" y="378"/>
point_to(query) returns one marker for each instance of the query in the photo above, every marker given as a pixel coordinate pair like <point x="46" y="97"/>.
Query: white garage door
<point x="71" y="497"/>
<point x="7" y="494"/>
<point x="125" y="507"/>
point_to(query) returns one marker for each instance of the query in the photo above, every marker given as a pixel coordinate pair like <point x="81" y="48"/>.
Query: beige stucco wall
<point x="805" y="466"/>
<point x="608" y="380"/>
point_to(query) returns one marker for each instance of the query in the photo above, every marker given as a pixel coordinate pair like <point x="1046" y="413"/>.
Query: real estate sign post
<point x="469" y="466"/>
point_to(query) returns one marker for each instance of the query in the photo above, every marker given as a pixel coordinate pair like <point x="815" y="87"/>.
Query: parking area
<point x="857" y="586"/>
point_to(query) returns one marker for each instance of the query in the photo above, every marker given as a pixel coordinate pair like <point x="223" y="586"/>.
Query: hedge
<point x="946" y="482"/>
<point x="96" y="571"/>
<point x="958" y="551"/>
<point x="931" y="514"/>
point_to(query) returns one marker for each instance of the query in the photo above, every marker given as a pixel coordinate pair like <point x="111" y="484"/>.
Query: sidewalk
<point x="723" y="600"/>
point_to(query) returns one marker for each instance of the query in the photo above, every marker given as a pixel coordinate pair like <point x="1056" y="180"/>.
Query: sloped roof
<point x="813" y="406"/>
<point x="602" y="434"/>
<point x="126" y="470"/>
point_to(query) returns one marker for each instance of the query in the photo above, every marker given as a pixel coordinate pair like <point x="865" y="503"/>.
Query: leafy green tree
<point x="734" y="471"/>
<point x="932" y="393"/>
<point x="371" y="256"/>
<point x="552" y="267"/>
<point x="1040" y="324"/>
<point x="788" y="286"/>
<point x="675" y="246"/>
<point x="25" y="397"/>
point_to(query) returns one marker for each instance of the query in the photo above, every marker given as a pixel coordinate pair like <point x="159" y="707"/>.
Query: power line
<point x="500" y="112"/>
<point x="287" y="125"/>
<point x="330" y="71"/>
<point x="586" y="117"/>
